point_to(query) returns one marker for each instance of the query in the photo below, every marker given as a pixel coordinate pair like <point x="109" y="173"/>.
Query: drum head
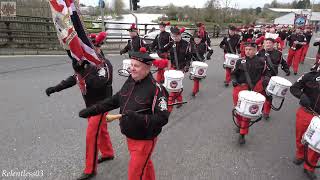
<point x="198" y="63"/>
<point x="174" y="74"/>
<point x="281" y="80"/>
<point x="232" y="56"/>
<point x="252" y="96"/>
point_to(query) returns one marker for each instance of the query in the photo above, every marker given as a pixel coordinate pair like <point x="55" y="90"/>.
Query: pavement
<point x="44" y="135"/>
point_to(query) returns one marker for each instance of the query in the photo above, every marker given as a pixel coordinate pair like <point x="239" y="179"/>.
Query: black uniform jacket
<point x="308" y="84"/>
<point x="146" y="95"/>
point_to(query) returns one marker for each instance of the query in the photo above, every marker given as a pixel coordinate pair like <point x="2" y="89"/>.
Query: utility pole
<point x="102" y="6"/>
<point x="131" y="9"/>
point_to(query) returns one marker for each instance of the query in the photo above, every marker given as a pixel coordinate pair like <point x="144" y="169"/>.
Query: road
<point x="40" y="133"/>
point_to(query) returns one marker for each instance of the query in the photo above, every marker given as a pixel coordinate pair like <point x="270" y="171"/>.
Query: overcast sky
<point x="196" y="3"/>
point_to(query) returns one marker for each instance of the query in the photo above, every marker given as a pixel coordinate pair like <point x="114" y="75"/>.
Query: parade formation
<point x="251" y="60"/>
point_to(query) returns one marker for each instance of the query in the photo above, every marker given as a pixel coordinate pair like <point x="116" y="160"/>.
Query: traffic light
<point x="135" y="5"/>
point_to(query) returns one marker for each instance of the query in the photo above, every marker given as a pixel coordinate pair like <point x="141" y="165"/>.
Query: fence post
<point x="145" y="29"/>
<point x="10" y="38"/>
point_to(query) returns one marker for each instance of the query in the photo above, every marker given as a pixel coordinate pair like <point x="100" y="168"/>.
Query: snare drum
<point x="312" y="134"/>
<point x="230" y="60"/>
<point x="278" y="86"/>
<point x="250" y="104"/>
<point x="173" y="80"/>
<point x="199" y="69"/>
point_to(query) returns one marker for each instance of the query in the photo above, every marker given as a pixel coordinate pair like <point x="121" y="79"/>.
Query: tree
<point x="172" y="12"/>
<point x="258" y="10"/>
<point x="118" y="6"/>
<point x="274" y="4"/>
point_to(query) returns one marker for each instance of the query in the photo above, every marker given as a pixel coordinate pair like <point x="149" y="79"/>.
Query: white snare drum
<point x="278" y="86"/>
<point x="126" y="63"/>
<point x="250" y="104"/>
<point x="199" y="69"/>
<point x="230" y="60"/>
<point x="312" y="134"/>
<point x="173" y="80"/>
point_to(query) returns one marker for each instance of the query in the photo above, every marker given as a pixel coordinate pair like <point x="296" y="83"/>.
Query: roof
<point x="283" y="10"/>
<point x="289" y="18"/>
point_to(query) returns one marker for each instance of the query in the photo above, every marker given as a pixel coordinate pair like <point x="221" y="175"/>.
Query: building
<point x="288" y="16"/>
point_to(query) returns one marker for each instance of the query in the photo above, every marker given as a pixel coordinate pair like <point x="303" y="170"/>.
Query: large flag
<point x="71" y="32"/>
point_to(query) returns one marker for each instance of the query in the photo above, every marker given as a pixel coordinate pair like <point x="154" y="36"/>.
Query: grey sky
<point x="196" y="3"/>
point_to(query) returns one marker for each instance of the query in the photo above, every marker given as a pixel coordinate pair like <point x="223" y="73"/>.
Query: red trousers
<point x="228" y="75"/>
<point x="282" y="45"/>
<point x="267" y="106"/>
<point x="97" y="139"/>
<point x="304" y="52"/>
<point x="294" y="59"/>
<point x="228" y="72"/>
<point x="242" y="52"/>
<point x="196" y="85"/>
<point x="173" y="97"/>
<point x="160" y="76"/>
<point x="303" y="119"/>
<point x="242" y="121"/>
<point x="140" y="163"/>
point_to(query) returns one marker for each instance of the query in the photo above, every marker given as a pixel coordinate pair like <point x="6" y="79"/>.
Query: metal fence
<point x="39" y="32"/>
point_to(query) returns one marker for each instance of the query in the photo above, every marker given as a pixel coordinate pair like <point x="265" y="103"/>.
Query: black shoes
<point x="310" y="174"/>
<point x="102" y="159"/>
<point x="241" y="140"/>
<point x="85" y="176"/>
<point x="193" y="94"/>
<point x="266" y="116"/>
<point x="226" y="84"/>
<point x="295" y="73"/>
<point x="298" y="161"/>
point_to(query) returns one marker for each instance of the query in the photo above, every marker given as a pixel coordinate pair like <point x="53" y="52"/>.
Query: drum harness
<point x="270" y="65"/>
<point x="248" y="79"/>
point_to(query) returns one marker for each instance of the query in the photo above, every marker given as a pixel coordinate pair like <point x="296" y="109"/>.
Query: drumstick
<point x="112" y="117"/>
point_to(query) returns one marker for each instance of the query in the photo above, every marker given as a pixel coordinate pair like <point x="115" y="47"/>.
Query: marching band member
<point x="296" y="42"/>
<point x="247" y="33"/>
<point x="198" y="50"/>
<point x="306" y="88"/>
<point x="317" y="43"/>
<point x="308" y="34"/>
<point x="205" y="39"/>
<point x="230" y="44"/>
<point x="273" y="59"/>
<point x="161" y="40"/>
<point x="283" y="34"/>
<point x="143" y="108"/>
<point x="135" y="43"/>
<point x="254" y="67"/>
<point x="95" y="85"/>
<point x="180" y="58"/>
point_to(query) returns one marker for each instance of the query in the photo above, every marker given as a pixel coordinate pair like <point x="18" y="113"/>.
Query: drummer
<point x="179" y="59"/>
<point x="273" y="59"/>
<point x="255" y="67"/>
<point x="231" y="45"/>
<point x="198" y="50"/>
<point x="306" y="88"/>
